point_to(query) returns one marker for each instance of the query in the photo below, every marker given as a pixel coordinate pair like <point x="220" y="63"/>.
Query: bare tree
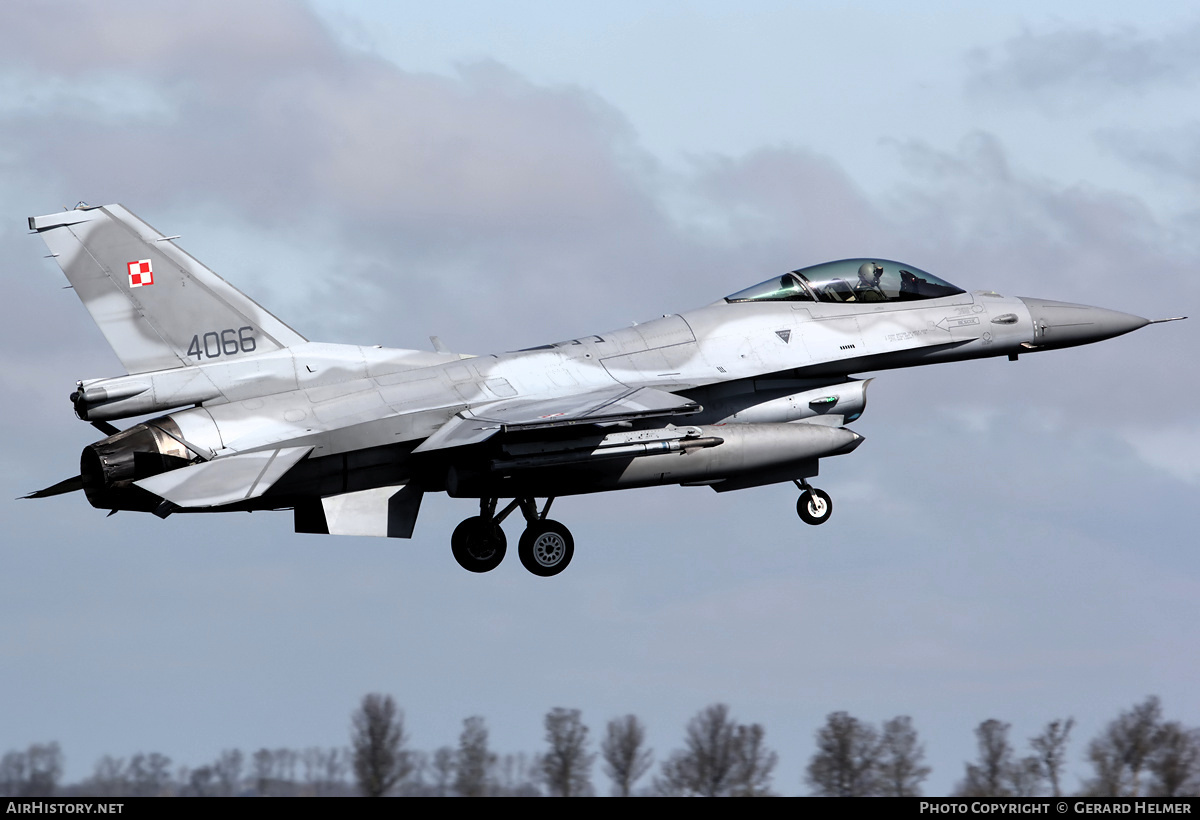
<point x="262" y="767"/>
<point x="149" y="774"/>
<point x="324" y="770"/>
<point x="626" y="759"/>
<point x="1124" y="749"/>
<point x="443" y="765"/>
<point x="900" y="764"/>
<point x="1175" y="764"/>
<point x="1025" y="777"/>
<point x="519" y="775"/>
<point x="200" y="782"/>
<point x="45" y="767"/>
<point x="753" y="763"/>
<point x="311" y="759"/>
<point x="109" y="778"/>
<point x="414" y="784"/>
<point x="274" y="772"/>
<point x="567" y="764"/>
<point x="13" y="768"/>
<point x="1051" y="749"/>
<point x="228" y="771"/>
<point x="1107" y="770"/>
<point x="1135" y="736"/>
<point x="847" y="758"/>
<point x="705" y="765"/>
<point x="285" y="769"/>
<point x="34" y="772"/>
<point x="991" y="775"/>
<point x="474" y="764"/>
<point x="377" y="741"/>
<point x="720" y="758"/>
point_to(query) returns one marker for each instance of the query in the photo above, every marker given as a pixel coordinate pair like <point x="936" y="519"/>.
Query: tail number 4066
<point x="228" y="342"/>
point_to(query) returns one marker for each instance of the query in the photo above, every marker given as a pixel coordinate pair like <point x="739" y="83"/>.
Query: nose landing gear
<point x="545" y="549"/>
<point x="814" y="506"/>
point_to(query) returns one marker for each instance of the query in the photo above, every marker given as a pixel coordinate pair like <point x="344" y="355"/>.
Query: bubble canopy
<point x="850" y="280"/>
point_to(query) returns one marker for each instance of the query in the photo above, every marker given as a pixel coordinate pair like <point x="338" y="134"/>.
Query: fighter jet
<point x="753" y="389"/>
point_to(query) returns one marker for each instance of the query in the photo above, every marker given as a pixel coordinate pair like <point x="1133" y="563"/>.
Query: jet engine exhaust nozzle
<point x="109" y="467"/>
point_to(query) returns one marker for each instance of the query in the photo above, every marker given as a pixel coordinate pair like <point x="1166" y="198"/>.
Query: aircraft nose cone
<point x="1063" y="324"/>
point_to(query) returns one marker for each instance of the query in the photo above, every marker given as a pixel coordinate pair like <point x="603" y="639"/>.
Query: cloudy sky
<point x="1013" y="541"/>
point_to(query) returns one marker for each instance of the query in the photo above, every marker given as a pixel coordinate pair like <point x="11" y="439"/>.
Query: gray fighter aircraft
<point x="753" y="389"/>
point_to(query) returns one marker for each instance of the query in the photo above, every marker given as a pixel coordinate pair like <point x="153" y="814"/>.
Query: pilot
<point x="868" y="288"/>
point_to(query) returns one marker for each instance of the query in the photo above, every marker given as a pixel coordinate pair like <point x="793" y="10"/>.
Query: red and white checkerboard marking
<point x="140" y="273"/>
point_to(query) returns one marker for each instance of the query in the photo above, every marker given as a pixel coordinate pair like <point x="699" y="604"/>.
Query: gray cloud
<point x="1072" y="66"/>
<point x="264" y="115"/>
<point x="440" y="184"/>
<point x="1171" y="156"/>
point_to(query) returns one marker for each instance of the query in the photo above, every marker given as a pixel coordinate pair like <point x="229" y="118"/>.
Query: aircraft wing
<point x="224" y="480"/>
<point x="610" y="405"/>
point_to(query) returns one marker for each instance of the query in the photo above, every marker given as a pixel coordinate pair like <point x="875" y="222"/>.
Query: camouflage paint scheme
<point x="753" y="389"/>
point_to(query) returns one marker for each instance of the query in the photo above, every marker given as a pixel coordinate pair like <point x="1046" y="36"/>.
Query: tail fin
<point x="157" y="306"/>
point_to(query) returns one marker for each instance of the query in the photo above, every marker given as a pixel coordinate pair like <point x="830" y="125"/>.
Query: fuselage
<point x="754" y="362"/>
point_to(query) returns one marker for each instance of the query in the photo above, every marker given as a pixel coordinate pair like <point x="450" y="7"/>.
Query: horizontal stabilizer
<point x="618" y="403"/>
<point x="225" y="480"/>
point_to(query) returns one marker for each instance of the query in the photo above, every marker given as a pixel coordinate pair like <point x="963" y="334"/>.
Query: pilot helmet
<point x="869" y="272"/>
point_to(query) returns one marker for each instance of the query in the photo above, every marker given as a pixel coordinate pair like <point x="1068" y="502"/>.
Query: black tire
<point x="814" y="506"/>
<point x="546" y="547"/>
<point x="478" y="545"/>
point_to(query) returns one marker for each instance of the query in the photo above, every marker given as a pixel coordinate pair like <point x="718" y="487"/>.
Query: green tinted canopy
<point x="849" y="280"/>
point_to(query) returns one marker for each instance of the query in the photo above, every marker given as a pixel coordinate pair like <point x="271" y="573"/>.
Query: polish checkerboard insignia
<point x="140" y="273"/>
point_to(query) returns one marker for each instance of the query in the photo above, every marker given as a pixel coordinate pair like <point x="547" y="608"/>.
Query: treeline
<point x="1138" y="754"/>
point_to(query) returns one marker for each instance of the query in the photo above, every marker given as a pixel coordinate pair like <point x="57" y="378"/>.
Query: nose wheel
<point x="545" y="549"/>
<point x="814" y="506"/>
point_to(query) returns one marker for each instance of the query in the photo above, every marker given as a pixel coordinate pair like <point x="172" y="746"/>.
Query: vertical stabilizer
<point x="157" y="306"/>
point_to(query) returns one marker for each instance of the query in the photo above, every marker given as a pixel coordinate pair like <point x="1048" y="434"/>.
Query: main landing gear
<point x="545" y="548"/>
<point x="814" y="506"/>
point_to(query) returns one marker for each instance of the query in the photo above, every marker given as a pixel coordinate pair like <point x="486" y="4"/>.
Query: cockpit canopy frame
<point x="850" y="280"/>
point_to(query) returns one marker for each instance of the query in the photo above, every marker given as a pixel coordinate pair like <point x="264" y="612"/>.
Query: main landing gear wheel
<point x="814" y="506"/>
<point x="546" y="547"/>
<point x="478" y="544"/>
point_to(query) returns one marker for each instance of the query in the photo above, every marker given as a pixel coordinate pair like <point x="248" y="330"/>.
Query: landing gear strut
<point x="546" y="547"/>
<point x="814" y="506"/>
